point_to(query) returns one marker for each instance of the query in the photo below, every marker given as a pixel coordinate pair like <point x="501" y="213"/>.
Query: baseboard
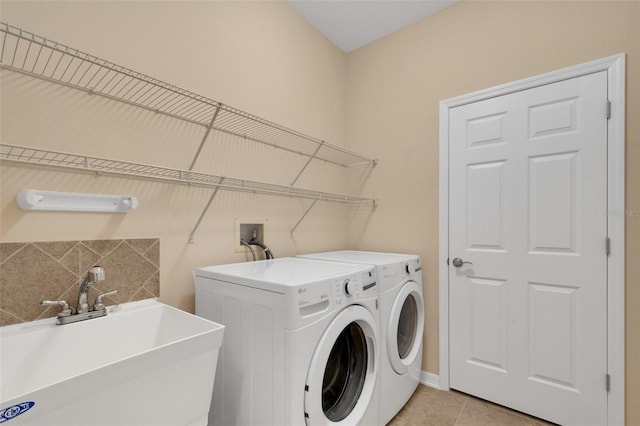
<point x="430" y="379"/>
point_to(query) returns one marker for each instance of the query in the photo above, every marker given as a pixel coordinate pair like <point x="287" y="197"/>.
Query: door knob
<point x="457" y="262"/>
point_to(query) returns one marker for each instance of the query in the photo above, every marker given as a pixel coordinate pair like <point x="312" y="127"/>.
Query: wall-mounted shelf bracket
<point x="309" y="160"/>
<point x="206" y="208"/>
<point x="206" y="135"/>
<point x="303" y="216"/>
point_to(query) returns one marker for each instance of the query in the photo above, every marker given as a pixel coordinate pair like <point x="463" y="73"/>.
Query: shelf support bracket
<point x="206" y="135"/>
<point x="206" y="208"/>
<point x="307" y="163"/>
<point x="304" y="215"/>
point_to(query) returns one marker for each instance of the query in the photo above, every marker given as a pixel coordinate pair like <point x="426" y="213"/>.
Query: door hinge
<point x="608" y="382"/>
<point x="608" y="246"/>
<point x="608" y="109"/>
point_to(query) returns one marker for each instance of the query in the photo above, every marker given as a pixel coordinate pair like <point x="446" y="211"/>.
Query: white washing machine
<point x="301" y="342"/>
<point x="401" y="322"/>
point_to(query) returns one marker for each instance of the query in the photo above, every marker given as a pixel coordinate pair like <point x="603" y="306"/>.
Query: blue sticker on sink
<point x="14" y="411"/>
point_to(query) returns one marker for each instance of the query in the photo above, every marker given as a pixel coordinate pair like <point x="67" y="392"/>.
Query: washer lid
<point x="366" y="257"/>
<point x="279" y="274"/>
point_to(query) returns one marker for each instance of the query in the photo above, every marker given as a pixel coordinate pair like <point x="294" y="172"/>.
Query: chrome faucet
<point x="83" y="312"/>
<point x="95" y="275"/>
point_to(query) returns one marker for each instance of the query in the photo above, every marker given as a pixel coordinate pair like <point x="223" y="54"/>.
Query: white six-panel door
<point x="528" y="200"/>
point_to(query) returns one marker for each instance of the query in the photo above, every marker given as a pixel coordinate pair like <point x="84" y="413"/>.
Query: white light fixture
<point x="33" y="199"/>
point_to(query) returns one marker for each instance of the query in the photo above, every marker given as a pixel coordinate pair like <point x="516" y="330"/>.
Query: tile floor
<point x="432" y="407"/>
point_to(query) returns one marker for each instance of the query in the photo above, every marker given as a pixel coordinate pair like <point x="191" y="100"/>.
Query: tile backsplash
<point x="32" y="272"/>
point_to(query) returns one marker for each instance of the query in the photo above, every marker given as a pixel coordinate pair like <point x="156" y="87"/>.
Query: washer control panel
<point x="304" y="302"/>
<point x="345" y="290"/>
<point x="401" y="270"/>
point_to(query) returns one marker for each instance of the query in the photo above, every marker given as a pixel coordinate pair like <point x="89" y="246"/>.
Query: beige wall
<point x="394" y="88"/>
<point x="258" y="56"/>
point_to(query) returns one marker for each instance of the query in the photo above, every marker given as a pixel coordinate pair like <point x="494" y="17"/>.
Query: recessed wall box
<point x="244" y="229"/>
<point x="33" y="199"/>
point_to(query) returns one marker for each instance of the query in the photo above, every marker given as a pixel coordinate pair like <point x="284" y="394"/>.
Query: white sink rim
<point x="10" y="392"/>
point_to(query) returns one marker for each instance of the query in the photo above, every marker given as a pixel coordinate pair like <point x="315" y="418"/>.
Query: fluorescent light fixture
<point x="33" y="199"/>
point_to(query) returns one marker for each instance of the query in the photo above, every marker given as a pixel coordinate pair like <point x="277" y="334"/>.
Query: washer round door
<point x="406" y="324"/>
<point x="342" y="373"/>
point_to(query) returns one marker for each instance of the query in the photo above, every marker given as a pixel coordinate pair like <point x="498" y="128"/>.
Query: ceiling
<point x="351" y="24"/>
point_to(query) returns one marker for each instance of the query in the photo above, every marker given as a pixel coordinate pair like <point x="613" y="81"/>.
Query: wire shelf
<point x="64" y="160"/>
<point x="37" y="56"/>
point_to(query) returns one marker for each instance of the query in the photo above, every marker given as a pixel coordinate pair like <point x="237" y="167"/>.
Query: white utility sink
<point x="145" y="363"/>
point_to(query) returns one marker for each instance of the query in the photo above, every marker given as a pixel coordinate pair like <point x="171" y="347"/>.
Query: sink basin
<point x="145" y="363"/>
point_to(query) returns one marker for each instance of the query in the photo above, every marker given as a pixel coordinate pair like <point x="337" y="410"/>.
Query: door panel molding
<point x="615" y="67"/>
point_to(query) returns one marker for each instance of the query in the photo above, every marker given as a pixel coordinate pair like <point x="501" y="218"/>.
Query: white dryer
<point x="401" y="322"/>
<point x="301" y="342"/>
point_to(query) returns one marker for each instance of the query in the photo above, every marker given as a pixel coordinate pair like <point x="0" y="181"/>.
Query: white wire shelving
<point x="64" y="160"/>
<point x="36" y="56"/>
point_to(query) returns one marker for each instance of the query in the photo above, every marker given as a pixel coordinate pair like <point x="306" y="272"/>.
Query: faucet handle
<point x="98" y="304"/>
<point x="65" y="309"/>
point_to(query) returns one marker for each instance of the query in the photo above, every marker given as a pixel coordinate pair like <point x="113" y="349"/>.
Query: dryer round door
<point x="405" y="327"/>
<point x="342" y="373"/>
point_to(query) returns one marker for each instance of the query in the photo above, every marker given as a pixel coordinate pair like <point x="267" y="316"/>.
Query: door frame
<point x="615" y="67"/>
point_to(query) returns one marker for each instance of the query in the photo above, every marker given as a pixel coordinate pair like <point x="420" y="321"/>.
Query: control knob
<point x="409" y="268"/>
<point x="350" y="287"/>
